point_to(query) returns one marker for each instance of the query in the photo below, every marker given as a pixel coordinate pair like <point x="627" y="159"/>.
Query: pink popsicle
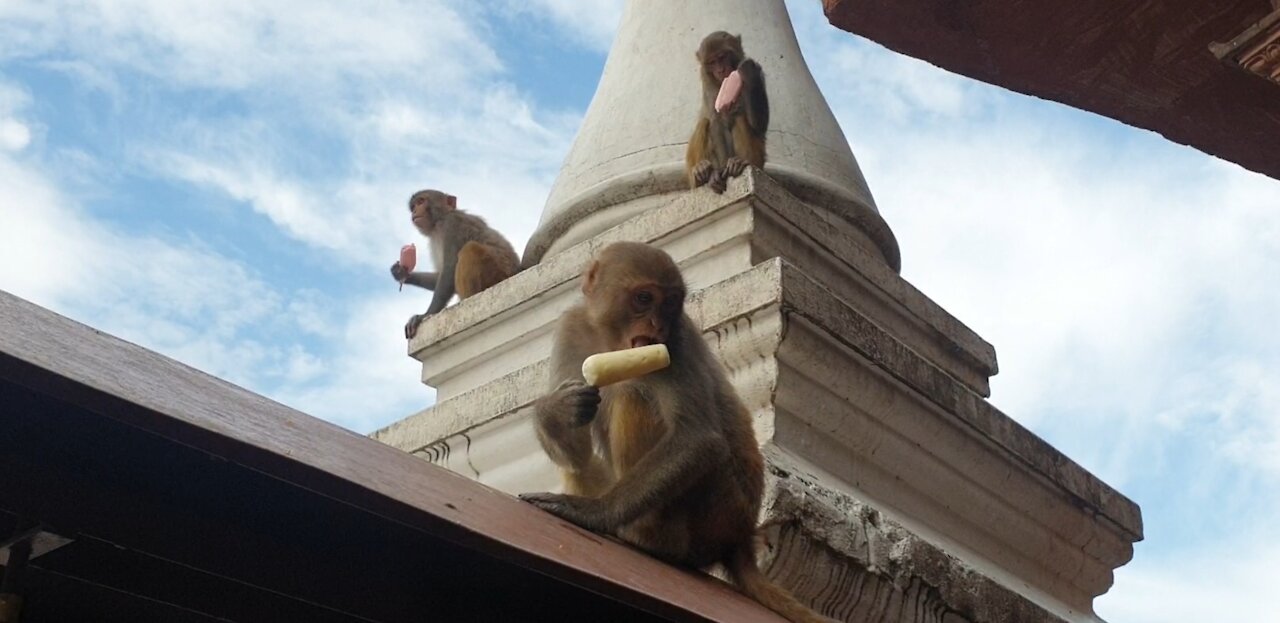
<point x="409" y="256"/>
<point x="408" y="259"/>
<point x="729" y="90"/>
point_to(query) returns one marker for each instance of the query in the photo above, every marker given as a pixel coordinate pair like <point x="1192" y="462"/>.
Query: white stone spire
<point x="629" y="152"/>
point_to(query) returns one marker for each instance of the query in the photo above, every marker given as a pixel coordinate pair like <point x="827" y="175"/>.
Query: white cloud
<point x="398" y="95"/>
<point x="1229" y="582"/>
<point x="177" y="296"/>
<point x="14" y="135"/>
<point x="887" y="87"/>
<point x="40" y="240"/>
<point x="899" y="88"/>
<point x="1101" y="290"/>
<point x="240" y="44"/>
<point x="369" y="381"/>
<point x="181" y="299"/>
<point x="188" y="302"/>
<point x="361" y="215"/>
<point x="592" y="22"/>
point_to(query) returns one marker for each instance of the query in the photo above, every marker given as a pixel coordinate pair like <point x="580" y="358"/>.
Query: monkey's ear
<point x="589" y="277"/>
<point x="451" y="201"/>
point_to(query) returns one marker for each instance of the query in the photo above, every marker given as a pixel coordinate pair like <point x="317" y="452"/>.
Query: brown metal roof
<point x="1146" y="63"/>
<point x="190" y="499"/>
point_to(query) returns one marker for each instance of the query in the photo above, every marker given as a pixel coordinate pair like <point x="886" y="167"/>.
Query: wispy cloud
<point x="284" y="48"/>
<point x="321" y="118"/>
<point x="192" y="303"/>
<point x="15" y="133"/>
<point x="332" y="114"/>
<point x="591" y="22"/>
<point x="1228" y="582"/>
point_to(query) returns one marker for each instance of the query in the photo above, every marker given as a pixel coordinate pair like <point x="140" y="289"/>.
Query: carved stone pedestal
<point x="897" y="493"/>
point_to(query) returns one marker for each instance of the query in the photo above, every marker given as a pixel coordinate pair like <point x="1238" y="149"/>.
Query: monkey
<point x="469" y="256"/>
<point x="667" y="462"/>
<point x="724" y="143"/>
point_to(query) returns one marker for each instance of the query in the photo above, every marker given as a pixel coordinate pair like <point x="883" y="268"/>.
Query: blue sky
<point x="223" y="182"/>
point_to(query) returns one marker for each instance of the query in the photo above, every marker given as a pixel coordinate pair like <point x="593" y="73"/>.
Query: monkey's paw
<point x="411" y="327"/>
<point x="581" y="511"/>
<point x="718" y="182"/>
<point x="703" y="172"/>
<point x="734" y="166"/>
<point x="399" y="272"/>
<point x="579" y="400"/>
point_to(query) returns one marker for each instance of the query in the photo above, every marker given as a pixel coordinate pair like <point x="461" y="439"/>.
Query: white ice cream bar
<point x="620" y="365"/>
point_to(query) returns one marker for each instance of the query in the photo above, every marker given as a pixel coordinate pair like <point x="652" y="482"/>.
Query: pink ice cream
<point x="729" y="90"/>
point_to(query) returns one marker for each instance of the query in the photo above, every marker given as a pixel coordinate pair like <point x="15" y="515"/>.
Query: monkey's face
<point x="426" y="207"/>
<point x="720" y="54"/>
<point x="635" y="295"/>
<point x="651" y="313"/>
<point x="722" y="64"/>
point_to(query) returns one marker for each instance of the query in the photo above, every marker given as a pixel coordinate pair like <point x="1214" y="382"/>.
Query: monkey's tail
<point x="744" y="572"/>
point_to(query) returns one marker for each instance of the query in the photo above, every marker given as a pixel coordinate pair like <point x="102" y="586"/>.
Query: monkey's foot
<point x="718" y="182"/>
<point x="411" y="327"/>
<point x="734" y="167"/>
<point x="576" y="509"/>
<point x="703" y="172"/>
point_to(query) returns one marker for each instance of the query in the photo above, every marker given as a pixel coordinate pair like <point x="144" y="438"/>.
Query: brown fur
<point x="667" y="462"/>
<point x="724" y="143"/>
<point x="469" y="256"/>
<point x="480" y="266"/>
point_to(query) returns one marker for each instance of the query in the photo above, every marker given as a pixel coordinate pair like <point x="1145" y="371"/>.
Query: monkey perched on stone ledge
<point x="668" y="461"/>
<point x="734" y="117"/>
<point x="469" y="256"/>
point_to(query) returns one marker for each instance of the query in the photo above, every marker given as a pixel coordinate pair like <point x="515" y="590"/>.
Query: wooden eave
<point x="187" y="498"/>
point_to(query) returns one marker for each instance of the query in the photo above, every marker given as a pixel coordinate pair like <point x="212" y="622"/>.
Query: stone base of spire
<point x="897" y="492"/>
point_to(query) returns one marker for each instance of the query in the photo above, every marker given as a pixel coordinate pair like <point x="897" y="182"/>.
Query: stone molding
<point x="712" y="237"/>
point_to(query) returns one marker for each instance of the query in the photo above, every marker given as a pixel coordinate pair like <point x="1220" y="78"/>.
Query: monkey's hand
<point x="399" y="272"/>
<point x="703" y="172"/>
<point x="411" y="327"/>
<point x="734" y="166"/>
<point x="583" y="511"/>
<point x="573" y="403"/>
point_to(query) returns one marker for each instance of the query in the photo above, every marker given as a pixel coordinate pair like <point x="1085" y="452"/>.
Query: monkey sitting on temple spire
<point x="734" y="117"/>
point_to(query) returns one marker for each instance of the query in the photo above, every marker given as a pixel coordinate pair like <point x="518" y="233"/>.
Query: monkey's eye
<point x="643" y="298"/>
